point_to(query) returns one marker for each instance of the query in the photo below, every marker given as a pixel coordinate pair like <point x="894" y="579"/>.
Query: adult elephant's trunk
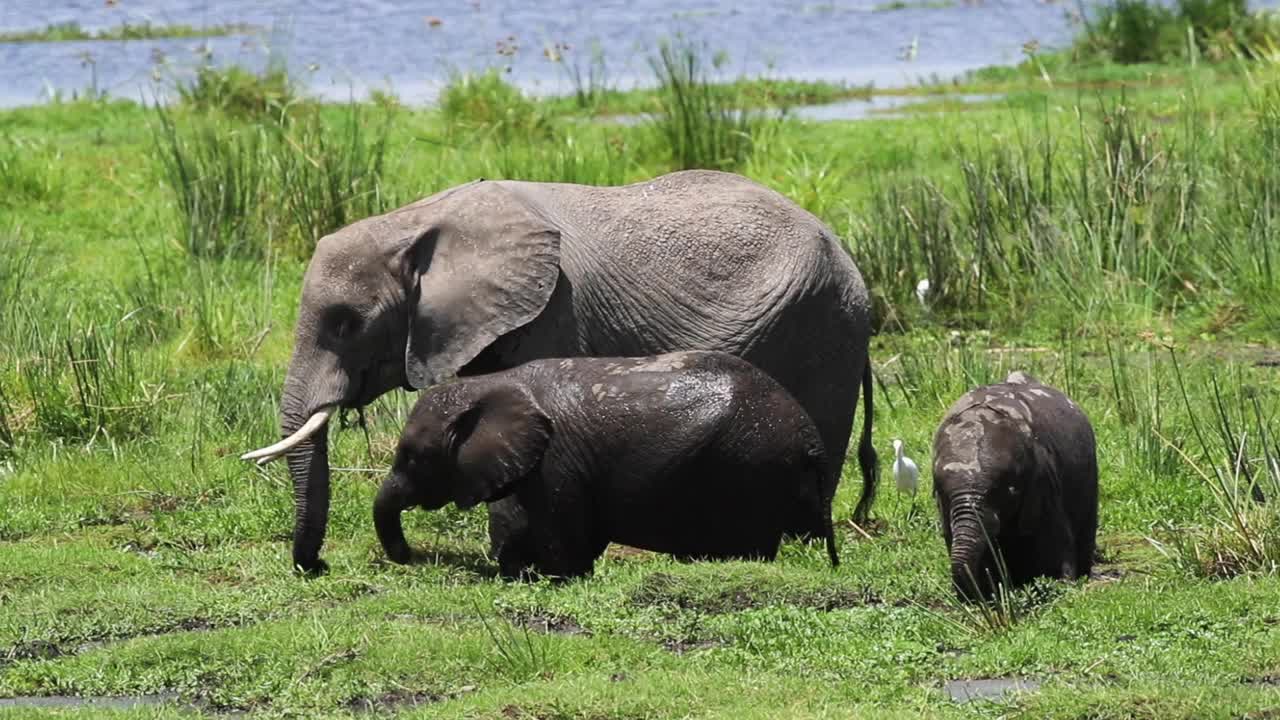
<point x="309" y="466"/>
<point x="306" y="445"/>
<point x="394" y="496"/>
<point x="968" y="548"/>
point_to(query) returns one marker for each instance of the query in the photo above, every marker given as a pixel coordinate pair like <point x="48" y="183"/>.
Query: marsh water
<point x="344" y="48"/>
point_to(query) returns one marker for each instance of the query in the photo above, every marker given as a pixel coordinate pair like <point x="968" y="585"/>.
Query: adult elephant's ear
<point x="485" y="264"/>
<point x="496" y="442"/>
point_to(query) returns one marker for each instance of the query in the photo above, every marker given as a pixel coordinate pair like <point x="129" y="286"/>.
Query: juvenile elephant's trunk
<point x="968" y="548"/>
<point x="394" y="496"/>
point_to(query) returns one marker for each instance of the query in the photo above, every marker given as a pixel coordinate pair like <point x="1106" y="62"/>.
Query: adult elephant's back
<point x="714" y="261"/>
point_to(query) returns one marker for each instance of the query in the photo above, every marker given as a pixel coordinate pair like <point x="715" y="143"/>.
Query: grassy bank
<point x="72" y="31"/>
<point x="1117" y="241"/>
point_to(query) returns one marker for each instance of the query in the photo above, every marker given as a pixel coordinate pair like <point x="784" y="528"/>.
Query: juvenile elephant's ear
<point x="496" y="442"/>
<point x="485" y="264"/>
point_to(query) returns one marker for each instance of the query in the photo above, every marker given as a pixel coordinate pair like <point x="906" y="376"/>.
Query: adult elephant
<point x="490" y="274"/>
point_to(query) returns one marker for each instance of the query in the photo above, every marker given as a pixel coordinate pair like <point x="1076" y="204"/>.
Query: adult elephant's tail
<point x="829" y="532"/>
<point x="867" y="462"/>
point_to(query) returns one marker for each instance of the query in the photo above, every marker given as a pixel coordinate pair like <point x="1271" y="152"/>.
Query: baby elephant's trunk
<point x="968" y="549"/>
<point x="394" y="496"/>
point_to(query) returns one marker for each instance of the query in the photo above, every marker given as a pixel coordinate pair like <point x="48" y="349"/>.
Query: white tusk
<point x="271" y="452"/>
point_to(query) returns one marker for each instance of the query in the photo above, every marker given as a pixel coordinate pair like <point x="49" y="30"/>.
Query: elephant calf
<point x="695" y="454"/>
<point x="1016" y="463"/>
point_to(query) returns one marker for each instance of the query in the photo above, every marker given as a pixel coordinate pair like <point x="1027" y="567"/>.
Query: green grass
<point x="150" y="264"/>
<point x="1142" y="31"/>
<point x="71" y="31"/>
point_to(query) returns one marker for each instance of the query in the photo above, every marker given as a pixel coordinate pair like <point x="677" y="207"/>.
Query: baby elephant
<point x="1018" y="460"/>
<point x="694" y="454"/>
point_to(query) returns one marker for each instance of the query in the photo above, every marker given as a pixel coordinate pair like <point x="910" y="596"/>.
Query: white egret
<point x="922" y="292"/>
<point x="905" y="473"/>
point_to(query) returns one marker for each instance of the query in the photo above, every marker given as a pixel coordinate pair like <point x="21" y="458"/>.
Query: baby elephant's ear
<point x="496" y="442"/>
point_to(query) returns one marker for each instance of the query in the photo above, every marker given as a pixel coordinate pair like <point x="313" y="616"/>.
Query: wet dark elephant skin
<point x="1017" y="459"/>
<point x="694" y="454"/>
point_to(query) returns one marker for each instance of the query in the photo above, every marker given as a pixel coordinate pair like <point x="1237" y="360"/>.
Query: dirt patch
<point x="1103" y="575"/>
<point x="626" y="553"/>
<point x="48" y="650"/>
<point x="549" y="623"/>
<point x="37" y="650"/>
<point x="393" y="702"/>
<point x="663" y="589"/>
<point x="118" y="702"/>
<point x="557" y="712"/>
<point x="475" y="563"/>
<point x="968" y="690"/>
<point x="681" y="647"/>
<point x="75" y="701"/>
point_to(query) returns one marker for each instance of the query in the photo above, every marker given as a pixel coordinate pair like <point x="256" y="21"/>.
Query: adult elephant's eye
<point x="342" y="323"/>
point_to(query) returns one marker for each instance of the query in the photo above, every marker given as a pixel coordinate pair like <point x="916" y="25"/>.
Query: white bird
<point x="905" y="473"/>
<point x="922" y="291"/>
<point x="909" y="52"/>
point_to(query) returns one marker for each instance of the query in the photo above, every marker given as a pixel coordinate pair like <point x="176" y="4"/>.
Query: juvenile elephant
<point x="695" y="454"/>
<point x="1016" y="459"/>
<point x="490" y="274"/>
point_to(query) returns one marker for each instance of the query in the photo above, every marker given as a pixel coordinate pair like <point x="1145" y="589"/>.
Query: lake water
<point x="345" y="47"/>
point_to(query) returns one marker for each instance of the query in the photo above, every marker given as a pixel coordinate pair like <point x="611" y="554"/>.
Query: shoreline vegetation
<point x="1108" y="226"/>
<point x="72" y="31"/>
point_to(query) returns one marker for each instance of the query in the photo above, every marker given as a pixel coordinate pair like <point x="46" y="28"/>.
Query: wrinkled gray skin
<point x="490" y="274"/>
<point x="695" y="454"/>
<point x="1019" y="459"/>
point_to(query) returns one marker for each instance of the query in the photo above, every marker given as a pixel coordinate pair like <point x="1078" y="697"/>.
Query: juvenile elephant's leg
<point x="1086" y="528"/>
<point x="1086" y="548"/>
<point x="562" y="541"/>
<point x="510" y="543"/>
<point x="1068" y="568"/>
<point x="1059" y="551"/>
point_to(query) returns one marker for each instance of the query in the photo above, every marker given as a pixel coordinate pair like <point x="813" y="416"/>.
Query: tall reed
<point x="216" y="172"/>
<point x="1121" y="218"/>
<point x="237" y="183"/>
<point x="329" y="173"/>
<point x="702" y="124"/>
<point x="1235" y="426"/>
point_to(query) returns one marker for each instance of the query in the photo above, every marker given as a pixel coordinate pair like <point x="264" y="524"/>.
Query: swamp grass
<point x="1113" y="245"/>
<point x="145" y="30"/>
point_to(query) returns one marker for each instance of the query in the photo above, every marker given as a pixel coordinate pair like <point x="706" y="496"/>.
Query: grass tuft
<point x="702" y="125"/>
<point x="484" y="105"/>
<point x="240" y="93"/>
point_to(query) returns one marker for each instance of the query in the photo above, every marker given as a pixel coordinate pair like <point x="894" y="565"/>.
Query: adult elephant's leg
<point x="817" y="352"/>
